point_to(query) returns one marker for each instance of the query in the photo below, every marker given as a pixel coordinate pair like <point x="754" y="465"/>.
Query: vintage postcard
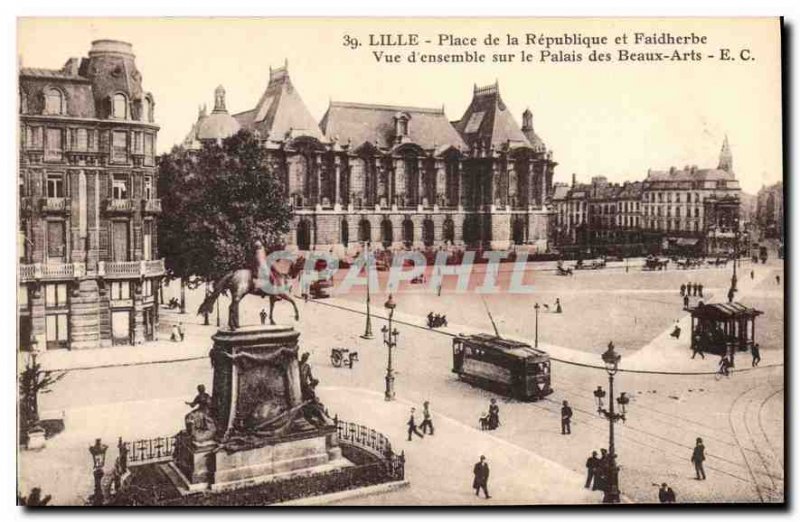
<point x="400" y="261"/>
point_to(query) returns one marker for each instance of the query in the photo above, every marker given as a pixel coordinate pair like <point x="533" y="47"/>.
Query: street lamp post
<point x="611" y="361"/>
<point x="536" y="327"/>
<point x="390" y="340"/>
<point x="368" y="325"/>
<point x="98" y="452"/>
<point x="734" y="279"/>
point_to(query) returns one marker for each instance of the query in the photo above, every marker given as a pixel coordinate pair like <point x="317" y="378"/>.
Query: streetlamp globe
<point x="98" y="452"/>
<point x="390" y="304"/>
<point x="611" y="359"/>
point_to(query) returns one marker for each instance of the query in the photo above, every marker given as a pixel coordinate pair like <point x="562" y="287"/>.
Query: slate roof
<point x="361" y="123"/>
<point x="689" y="174"/>
<point x="280" y="113"/>
<point x="487" y="120"/>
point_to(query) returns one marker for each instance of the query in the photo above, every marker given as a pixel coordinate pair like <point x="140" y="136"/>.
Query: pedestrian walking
<point x="676" y="332"/>
<point x="683" y="289"/>
<point x="481" y="480"/>
<point x="175" y="335"/>
<point x="697" y="349"/>
<point x="698" y="456"/>
<point x="591" y="468"/>
<point x="439" y="290"/>
<point x="730" y="294"/>
<point x="756" y="352"/>
<point x="778" y="279"/>
<point x="263" y="316"/>
<point x="566" y="418"/>
<point x="700" y="290"/>
<point x="494" y="414"/>
<point x="752" y="274"/>
<point x="181" y="331"/>
<point x="558" y="305"/>
<point x="426" y="419"/>
<point x="686" y="302"/>
<point x="665" y="494"/>
<point x="412" y="426"/>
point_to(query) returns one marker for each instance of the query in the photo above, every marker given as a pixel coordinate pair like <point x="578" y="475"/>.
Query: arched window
<point x="53" y="101"/>
<point x="146" y="110"/>
<point x="120" y="106"/>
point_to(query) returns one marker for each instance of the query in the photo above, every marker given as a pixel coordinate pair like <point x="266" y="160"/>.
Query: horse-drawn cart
<point x="343" y="357"/>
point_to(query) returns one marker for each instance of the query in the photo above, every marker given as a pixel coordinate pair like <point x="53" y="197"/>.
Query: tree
<point x="217" y="201"/>
<point x="32" y="382"/>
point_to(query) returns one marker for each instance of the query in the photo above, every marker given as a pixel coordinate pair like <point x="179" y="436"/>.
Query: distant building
<point x="769" y="210"/>
<point x="89" y="271"/>
<point x="686" y="210"/>
<point x="694" y="208"/>
<point x="403" y="177"/>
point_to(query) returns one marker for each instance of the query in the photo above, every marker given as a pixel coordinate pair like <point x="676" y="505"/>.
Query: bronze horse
<point x="241" y="283"/>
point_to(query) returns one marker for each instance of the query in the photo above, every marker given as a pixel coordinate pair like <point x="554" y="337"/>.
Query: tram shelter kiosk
<point x="723" y="328"/>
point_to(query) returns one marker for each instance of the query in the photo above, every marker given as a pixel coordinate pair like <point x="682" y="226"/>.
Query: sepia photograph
<point x="400" y="262"/>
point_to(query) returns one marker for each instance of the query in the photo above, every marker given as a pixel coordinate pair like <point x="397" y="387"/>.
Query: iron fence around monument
<point x="364" y="437"/>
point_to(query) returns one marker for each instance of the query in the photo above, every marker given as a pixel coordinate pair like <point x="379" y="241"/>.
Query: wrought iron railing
<point x="148" y="451"/>
<point x="119" y="205"/>
<point x="128" y="269"/>
<point x="363" y="437"/>
<point x="55" y="204"/>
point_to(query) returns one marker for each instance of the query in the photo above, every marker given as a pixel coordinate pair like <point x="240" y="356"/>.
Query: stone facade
<point x="769" y="211"/>
<point x="401" y="176"/>
<point x="89" y="272"/>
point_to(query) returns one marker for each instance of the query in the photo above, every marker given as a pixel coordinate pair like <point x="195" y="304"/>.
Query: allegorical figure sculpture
<point x="199" y="422"/>
<point x="260" y="280"/>
<point x="313" y="410"/>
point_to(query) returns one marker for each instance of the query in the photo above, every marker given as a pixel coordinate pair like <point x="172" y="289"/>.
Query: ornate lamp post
<point x="98" y="452"/>
<point x="611" y="360"/>
<point x="536" y="327"/>
<point x="390" y="340"/>
<point x="368" y="326"/>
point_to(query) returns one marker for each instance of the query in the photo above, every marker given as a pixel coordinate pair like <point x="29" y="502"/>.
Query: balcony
<point x="51" y="271"/>
<point x="130" y="269"/>
<point x="118" y="206"/>
<point x="151" y="206"/>
<point x="54" y="205"/>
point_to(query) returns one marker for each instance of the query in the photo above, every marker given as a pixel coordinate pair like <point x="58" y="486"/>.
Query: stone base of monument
<point x="200" y="468"/>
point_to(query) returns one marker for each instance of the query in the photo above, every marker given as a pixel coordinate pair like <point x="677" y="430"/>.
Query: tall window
<point x="53" y="102"/>
<point x="120" y="290"/>
<point x="148" y="149"/>
<point x="119" y="241"/>
<point x="55" y="186"/>
<point x="120" y="106"/>
<point x="147" y="288"/>
<point x="119" y="147"/>
<point x="147" y="240"/>
<point x="148" y="187"/>
<point x="80" y="140"/>
<point x="119" y="186"/>
<point x="138" y="146"/>
<point x="54" y="146"/>
<point x="33" y="137"/>
<point x="56" y="315"/>
<point x="56" y="241"/>
<point x="92" y="138"/>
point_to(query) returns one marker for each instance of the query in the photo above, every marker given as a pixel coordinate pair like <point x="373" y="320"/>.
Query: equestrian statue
<point x="261" y="280"/>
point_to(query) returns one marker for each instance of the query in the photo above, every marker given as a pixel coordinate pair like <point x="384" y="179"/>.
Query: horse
<point x="242" y="282"/>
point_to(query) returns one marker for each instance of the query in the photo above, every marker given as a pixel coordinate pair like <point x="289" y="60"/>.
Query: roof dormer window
<point x="401" y="122"/>
<point x="53" y="101"/>
<point x="119" y="106"/>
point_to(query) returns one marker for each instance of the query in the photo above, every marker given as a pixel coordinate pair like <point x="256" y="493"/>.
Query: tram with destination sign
<point x="508" y="367"/>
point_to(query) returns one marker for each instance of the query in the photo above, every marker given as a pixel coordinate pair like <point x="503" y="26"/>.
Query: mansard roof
<point x="359" y="123"/>
<point x="689" y="174"/>
<point x="488" y="122"/>
<point x="280" y="113"/>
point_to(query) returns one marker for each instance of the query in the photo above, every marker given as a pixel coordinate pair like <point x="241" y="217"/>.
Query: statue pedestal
<point x="258" y="428"/>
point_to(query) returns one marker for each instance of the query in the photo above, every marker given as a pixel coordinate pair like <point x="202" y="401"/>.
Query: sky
<point x="616" y="120"/>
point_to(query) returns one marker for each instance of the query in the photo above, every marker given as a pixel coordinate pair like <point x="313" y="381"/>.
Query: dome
<point x="219" y="124"/>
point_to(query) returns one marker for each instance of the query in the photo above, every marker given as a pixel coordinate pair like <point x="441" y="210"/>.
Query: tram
<point x="509" y="367"/>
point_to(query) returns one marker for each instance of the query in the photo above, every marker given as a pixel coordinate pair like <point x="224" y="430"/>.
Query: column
<point x="459" y="185"/>
<point x="318" y="175"/>
<point x="529" y="182"/>
<point x="420" y="181"/>
<point x="337" y="174"/>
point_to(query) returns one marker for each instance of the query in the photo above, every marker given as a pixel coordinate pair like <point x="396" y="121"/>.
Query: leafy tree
<point x="217" y="201"/>
<point x="34" y="499"/>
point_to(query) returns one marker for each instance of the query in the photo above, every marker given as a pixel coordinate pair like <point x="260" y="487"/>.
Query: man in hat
<point x="412" y="426"/>
<point x="665" y="494"/>
<point x="698" y="456"/>
<point x="566" y="418"/>
<point x="756" y="352"/>
<point x="426" y="418"/>
<point x="481" y="480"/>
<point x="591" y="469"/>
